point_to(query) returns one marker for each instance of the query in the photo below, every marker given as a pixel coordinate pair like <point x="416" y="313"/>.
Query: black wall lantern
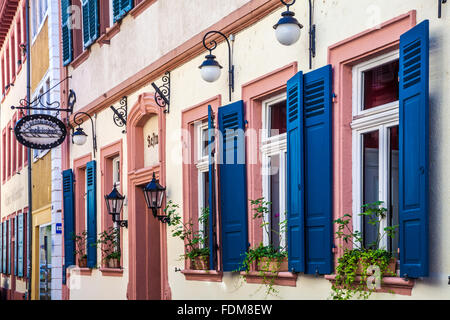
<point x="154" y="195"/>
<point x="210" y="69"/>
<point x="114" y="203"/>
<point x="287" y="30"/>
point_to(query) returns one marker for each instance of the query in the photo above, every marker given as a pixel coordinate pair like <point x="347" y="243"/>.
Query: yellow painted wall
<point x="42" y="183"/>
<point x="39" y="56"/>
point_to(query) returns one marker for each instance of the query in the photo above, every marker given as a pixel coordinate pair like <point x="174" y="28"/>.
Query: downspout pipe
<point x="29" y="151"/>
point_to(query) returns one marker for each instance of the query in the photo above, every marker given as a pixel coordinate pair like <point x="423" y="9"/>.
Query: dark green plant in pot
<point x="80" y="248"/>
<point x="267" y="258"/>
<point x="358" y="267"/>
<point x="195" y="241"/>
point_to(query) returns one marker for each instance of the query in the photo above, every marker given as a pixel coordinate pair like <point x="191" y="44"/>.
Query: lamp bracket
<point x="162" y="93"/>
<point x="440" y="3"/>
<point x="123" y="223"/>
<point x="121" y="114"/>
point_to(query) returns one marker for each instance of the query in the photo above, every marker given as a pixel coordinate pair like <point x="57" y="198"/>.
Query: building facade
<point x="40" y="254"/>
<point x="269" y="155"/>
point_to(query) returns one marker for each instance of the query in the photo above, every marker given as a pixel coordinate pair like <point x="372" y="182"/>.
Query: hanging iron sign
<point x="40" y="131"/>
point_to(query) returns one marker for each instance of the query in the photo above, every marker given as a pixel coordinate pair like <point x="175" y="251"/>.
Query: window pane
<point x="380" y="85"/>
<point x="393" y="187"/>
<point x="370" y="181"/>
<point x="205" y="202"/>
<point x="204" y="143"/>
<point x="277" y="114"/>
<point x="275" y="199"/>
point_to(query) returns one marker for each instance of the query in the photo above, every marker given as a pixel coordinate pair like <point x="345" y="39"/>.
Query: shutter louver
<point x="5" y="232"/>
<point x="212" y="192"/>
<point x="295" y="219"/>
<point x="20" y="246"/>
<point x="233" y="189"/>
<point x="91" y="199"/>
<point x="8" y="266"/>
<point x="69" y="221"/>
<point x="121" y="8"/>
<point x="318" y="168"/>
<point x="66" y="32"/>
<point x="413" y="158"/>
<point x="16" y="227"/>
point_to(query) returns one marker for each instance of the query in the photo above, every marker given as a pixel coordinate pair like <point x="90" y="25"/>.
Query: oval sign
<point x="40" y="131"/>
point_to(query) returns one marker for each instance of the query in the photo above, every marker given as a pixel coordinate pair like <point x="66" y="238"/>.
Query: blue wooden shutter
<point x="318" y="170"/>
<point x="1" y="247"/>
<point x="66" y="32"/>
<point x="91" y="199"/>
<point x="212" y="192"/>
<point x="69" y="221"/>
<point x="233" y="189"/>
<point x="295" y="219"/>
<point x="8" y="271"/>
<point x="413" y="159"/>
<point x="86" y="19"/>
<point x="20" y="245"/>
<point x="16" y="240"/>
<point x="121" y="8"/>
<point x="5" y="232"/>
<point x="94" y="22"/>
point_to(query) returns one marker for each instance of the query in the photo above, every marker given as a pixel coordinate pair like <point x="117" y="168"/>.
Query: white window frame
<point x="381" y="119"/>
<point x="116" y="174"/>
<point x="271" y="146"/>
<point x="202" y="166"/>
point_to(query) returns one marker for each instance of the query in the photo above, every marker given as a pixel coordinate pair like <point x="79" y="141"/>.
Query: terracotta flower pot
<point x="272" y="265"/>
<point x="390" y="270"/>
<point x="113" y="263"/>
<point x="82" y="262"/>
<point x="200" y="263"/>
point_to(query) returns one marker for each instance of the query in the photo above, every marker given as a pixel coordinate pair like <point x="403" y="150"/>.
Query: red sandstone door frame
<point x="148" y="270"/>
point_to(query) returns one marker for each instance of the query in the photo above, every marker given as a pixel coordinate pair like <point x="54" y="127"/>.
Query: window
<point x="13" y="55"/>
<point x="3" y="77"/>
<point x="201" y="138"/>
<point x="274" y="151"/>
<point x="375" y="128"/>
<point x="14" y="146"/>
<point x="4" y="154"/>
<point x="38" y="12"/>
<point x="42" y="90"/>
<point x="116" y="171"/>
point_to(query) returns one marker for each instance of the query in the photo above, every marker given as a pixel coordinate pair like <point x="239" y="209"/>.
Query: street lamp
<point x="79" y="137"/>
<point x="210" y="69"/>
<point x="287" y="30"/>
<point x="114" y="204"/>
<point x="154" y="195"/>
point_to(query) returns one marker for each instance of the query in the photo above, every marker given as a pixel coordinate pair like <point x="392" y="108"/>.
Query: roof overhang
<point x="8" y="10"/>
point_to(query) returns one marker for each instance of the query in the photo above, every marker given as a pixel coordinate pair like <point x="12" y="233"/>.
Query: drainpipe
<point x="30" y="186"/>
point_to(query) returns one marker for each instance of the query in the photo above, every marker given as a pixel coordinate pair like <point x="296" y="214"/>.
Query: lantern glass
<point x="210" y="73"/>
<point x="114" y="203"/>
<point x="288" y="33"/>
<point x="79" y="137"/>
<point x="154" y="194"/>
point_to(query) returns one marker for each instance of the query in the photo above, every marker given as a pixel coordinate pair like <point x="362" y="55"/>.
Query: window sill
<point x="80" y="59"/>
<point x="109" y="34"/>
<point x="395" y="285"/>
<point x="85" y="271"/>
<point x="112" y="272"/>
<point x="203" y="275"/>
<point x="283" y="278"/>
<point x="141" y="7"/>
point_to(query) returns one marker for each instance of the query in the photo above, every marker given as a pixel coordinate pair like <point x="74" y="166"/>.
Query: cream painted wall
<point x="256" y="52"/>
<point x="151" y="153"/>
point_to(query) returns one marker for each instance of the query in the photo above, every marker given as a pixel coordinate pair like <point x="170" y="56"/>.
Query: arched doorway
<point x="148" y="278"/>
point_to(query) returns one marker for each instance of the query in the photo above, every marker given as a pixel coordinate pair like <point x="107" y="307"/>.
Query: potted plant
<point x="362" y="260"/>
<point x="266" y="259"/>
<point x="80" y="248"/>
<point x="109" y="243"/>
<point x="195" y="241"/>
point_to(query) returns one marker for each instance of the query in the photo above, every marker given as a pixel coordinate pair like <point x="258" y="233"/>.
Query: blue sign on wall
<point x="58" y="228"/>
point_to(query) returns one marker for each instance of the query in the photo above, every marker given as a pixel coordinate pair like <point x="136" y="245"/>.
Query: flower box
<point x="390" y="270"/>
<point x="272" y="265"/>
<point x="200" y="263"/>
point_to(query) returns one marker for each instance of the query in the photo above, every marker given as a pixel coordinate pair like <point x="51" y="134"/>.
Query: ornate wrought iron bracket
<point x="440" y="2"/>
<point x="122" y="223"/>
<point x="312" y="35"/>
<point x="162" y="93"/>
<point x="121" y="114"/>
<point x="39" y="103"/>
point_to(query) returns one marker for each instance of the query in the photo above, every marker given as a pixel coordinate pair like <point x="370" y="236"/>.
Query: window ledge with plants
<point x="196" y="250"/>
<point x="267" y="264"/>
<point x="366" y="268"/>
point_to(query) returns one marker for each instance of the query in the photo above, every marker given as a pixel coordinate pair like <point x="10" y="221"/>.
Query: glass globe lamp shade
<point x="210" y="69"/>
<point x="79" y="137"/>
<point x="288" y="29"/>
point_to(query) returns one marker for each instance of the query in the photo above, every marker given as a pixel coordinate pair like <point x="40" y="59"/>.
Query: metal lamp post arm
<point x="80" y="122"/>
<point x="213" y="45"/>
